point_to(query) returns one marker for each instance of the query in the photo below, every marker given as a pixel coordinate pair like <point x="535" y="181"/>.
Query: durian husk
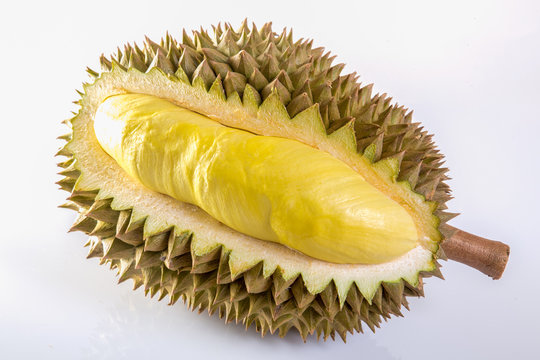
<point x="250" y="78"/>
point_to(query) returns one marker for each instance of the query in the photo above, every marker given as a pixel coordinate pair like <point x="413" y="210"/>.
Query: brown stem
<point x="488" y="256"/>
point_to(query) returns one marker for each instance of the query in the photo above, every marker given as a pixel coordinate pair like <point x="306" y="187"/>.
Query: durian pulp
<point x="271" y="188"/>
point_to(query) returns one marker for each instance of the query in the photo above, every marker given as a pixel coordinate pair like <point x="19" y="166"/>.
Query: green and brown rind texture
<point x="258" y="73"/>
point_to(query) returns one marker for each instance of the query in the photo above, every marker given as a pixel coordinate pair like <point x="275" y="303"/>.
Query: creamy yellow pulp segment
<point x="270" y="188"/>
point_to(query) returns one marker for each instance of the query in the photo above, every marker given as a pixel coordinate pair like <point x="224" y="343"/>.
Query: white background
<point x="470" y="70"/>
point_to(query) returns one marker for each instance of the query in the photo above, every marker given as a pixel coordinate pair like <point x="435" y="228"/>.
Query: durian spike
<point x="487" y="256"/>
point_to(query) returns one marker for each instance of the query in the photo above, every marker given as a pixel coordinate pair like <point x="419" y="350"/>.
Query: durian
<point x="241" y="172"/>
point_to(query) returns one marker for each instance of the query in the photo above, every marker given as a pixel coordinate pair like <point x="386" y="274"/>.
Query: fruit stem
<point x="488" y="256"/>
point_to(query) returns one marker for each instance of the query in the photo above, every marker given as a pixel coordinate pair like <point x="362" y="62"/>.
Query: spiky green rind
<point x="165" y="266"/>
<point x="266" y="76"/>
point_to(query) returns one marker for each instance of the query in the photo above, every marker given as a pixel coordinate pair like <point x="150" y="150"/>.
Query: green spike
<point x="224" y="273"/>
<point x="228" y="45"/>
<point x="105" y="63"/>
<point x="126" y="231"/>
<point x="136" y="62"/>
<point x="161" y="62"/>
<point x="179" y="263"/>
<point x="116" y="66"/>
<point x="234" y="100"/>
<point x="63" y="152"/>
<point x="189" y="61"/>
<point x="217" y="89"/>
<point x="145" y="259"/>
<point x="285" y="80"/>
<point x="258" y="80"/>
<point x="182" y="76"/>
<point x="114" y="248"/>
<point x="206" y="263"/>
<point x="301" y="75"/>
<point x="243" y="63"/>
<point x="277" y="87"/>
<point x="273" y="108"/>
<point x="388" y="167"/>
<point x="101" y="210"/>
<point x="96" y="249"/>
<point x="69" y="205"/>
<point x="303" y="298"/>
<point x="202" y="40"/>
<point x="205" y="73"/>
<point x="179" y="244"/>
<point x="84" y="224"/>
<point x="214" y="55"/>
<point x="255" y="281"/>
<point x="157" y="242"/>
<point x="220" y="68"/>
<point x="330" y="299"/>
<point x="299" y="104"/>
<point x="345" y="136"/>
<point x="151" y="276"/>
<point x="310" y="120"/>
<point x="66" y="183"/>
<point x="186" y="40"/>
<point x="304" y="88"/>
<point x="374" y="150"/>
<point x="251" y="99"/>
<point x="270" y="67"/>
<point x="103" y="229"/>
<point x="234" y="83"/>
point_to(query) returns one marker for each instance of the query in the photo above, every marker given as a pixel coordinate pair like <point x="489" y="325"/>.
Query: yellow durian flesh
<point x="267" y="187"/>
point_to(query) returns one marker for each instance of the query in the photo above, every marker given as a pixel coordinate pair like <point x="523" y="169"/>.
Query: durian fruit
<point x="242" y="172"/>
